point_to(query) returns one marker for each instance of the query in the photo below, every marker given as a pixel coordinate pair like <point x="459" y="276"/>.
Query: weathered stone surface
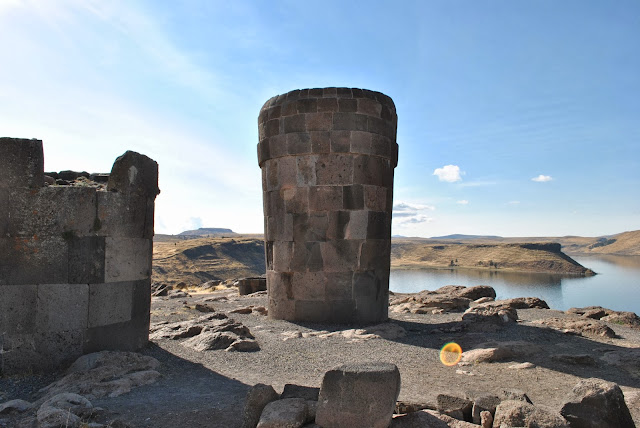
<point x="105" y="373"/>
<point x="522" y="414"/>
<point x="456" y="407"/>
<point x="285" y="413"/>
<point x="596" y="403"/>
<point x="14" y="406"/>
<point x="581" y="327"/>
<point x="298" y="391"/>
<point x="491" y="312"/>
<point x="575" y="360"/>
<point x="63" y="410"/>
<point x="484" y="403"/>
<point x="258" y="397"/>
<point x="327" y="174"/>
<point x="75" y="261"/>
<point x="418" y="419"/>
<point x="251" y="285"/>
<point x="358" y="395"/>
<point x="525" y="303"/>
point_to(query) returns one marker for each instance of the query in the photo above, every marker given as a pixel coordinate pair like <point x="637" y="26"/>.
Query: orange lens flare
<point x="450" y="354"/>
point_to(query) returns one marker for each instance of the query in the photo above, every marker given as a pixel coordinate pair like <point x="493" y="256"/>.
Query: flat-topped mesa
<point x="327" y="158"/>
<point x="75" y="262"/>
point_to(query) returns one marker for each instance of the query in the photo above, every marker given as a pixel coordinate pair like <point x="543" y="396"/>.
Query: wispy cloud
<point x="408" y="213"/>
<point x="449" y="173"/>
<point x="463" y="202"/>
<point x="542" y="178"/>
<point x="513" y="203"/>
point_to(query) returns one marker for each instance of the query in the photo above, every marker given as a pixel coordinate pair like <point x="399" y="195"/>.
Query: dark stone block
<point x="340" y="255"/>
<point x="338" y="222"/>
<point x="375" y="255"/>
<point x="342" y="312"/>
<point x="380" y="146"/>
<point x="320" y="142"/>
<point x="329" y="92"/>
<point x="262" y="117"/>
<point x="296" y="200"/>
<point x="344" y="93"/>
<point x="380" y="126"/>
<point x="275" y="112"/>
<point x="340" y="141"/>
<point x="296" y="123"/>
<point x="134" y="174"/>
<point x="263" y="152"/>
<point x="353" y="197"/>
<point x="347" y="105"/>
<point x="311" y="310"/>
<point x="319" y="121"/>
<point x="369" y="107"/>
<point x="325" y="198"/>
<point x="268" y="247"/>
<point x="310" y="227"/>
<point x="289" y="108"/>
<point x="141" y="299"/>
<point x="272" y="128"/>
<point x="297" y="391"/>
<point x="304" y="93"/>
<point x="298" y="143"/>
<point x="59" y="348"/>
<point x="361" y="142"/>
<point x="366" y="284"/>
<point x="278" y="146"/>
<point x="357" y="93"/>
<point x="307" y="105"/>
<point x="339" y="286"/>
<point x="86" y="260"/>
<point x="327" y="105"/>
<point x="315" y="93"/>
<point x="125" y="336"/>
<point x="21" y="163"/>
<point x="33" y="260"/>
<point x="379" y="225"/>
<point x="349" y="122"/>
<point x="293" y="95"/>
<point x="17" y="307"/>
<point x="307" y="256"/>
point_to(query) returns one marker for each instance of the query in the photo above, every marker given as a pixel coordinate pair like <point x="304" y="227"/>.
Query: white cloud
<point x="542" y="178"/>
<point x="408" y="213"/>
<point x="449" y="173"/>
<point x="463" y="202"/>
<point x="513" y="202"/>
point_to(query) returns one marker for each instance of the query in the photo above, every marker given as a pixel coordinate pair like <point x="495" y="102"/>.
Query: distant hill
<point x="625" y="243"/>
<point x="522" y="257"/>
<point x="197" y="260"/>
<point x="467" y="237"/>
<point x="208" y="231"/>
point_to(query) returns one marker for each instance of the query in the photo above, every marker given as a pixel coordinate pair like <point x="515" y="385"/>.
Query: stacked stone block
<point x="327" y="158"/>
<point x="75" y="263"/>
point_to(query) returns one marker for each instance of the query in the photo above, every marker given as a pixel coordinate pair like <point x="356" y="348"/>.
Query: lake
<point x="617" y="285"/>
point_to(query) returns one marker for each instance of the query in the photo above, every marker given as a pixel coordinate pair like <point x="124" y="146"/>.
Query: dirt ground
<point x="207" y="389"/>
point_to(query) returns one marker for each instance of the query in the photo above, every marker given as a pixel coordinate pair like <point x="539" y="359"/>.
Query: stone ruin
<point x="327" y="158"/>
<point x="75" y="262"/>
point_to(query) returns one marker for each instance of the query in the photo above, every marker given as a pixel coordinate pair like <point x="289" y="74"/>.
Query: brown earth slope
<point x="524" y="257"/>
<point x="195" y="261"/>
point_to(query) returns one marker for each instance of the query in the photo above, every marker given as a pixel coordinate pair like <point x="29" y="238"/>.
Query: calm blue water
<point x="617" y="285"/>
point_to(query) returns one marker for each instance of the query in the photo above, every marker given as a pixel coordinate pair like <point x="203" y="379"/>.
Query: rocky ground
<point x="213" y="345"/>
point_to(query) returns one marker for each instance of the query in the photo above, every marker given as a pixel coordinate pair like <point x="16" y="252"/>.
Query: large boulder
<point x="358" y="395"/>
<point x="456" y="407"/>
<point x="515" y="413"/>
<point x="258" y="397"/>
<point x="286" y="413"/>
<point x="578" y="326"/>
<point x="595" y="403"/>
<point x="429" y="419"/>
<point x="491" y="312"/>
<point x="63" y="410"/>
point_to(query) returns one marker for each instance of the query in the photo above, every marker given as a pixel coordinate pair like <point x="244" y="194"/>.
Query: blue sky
<point x="490" y="96"/>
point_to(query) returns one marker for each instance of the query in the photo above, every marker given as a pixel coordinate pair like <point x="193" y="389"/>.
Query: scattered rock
<point x="512" y="413"/>
<point x="358" y="395"/>
<point x="244" y="310"/>
<point x="491" y="312"/>
<point x="522" y="366"/>
<point x="14" y="406"/>
<point x="597" y="403"/>
<point x="450" y="298"/>
<point x="261" y="310"/>
<point x="485" y="355"/>
<point x="184" y="329"/>
<point x="106" y="373"/>
<point x="626" y="359"/>
<point x="204" y="308"/>
<point x="251" y="285"/>
<point x="484" y="403"/>
<point x="244" y="345"/>
<point x="575" y="360"/>
<point x="525" y="303"/>
<point x="297" y="391"/>
<point x="286" y="413"/>
<point x="456" y="407"/>
<point x="63" y="410"/>
<point x="628" y="319"/>
<point x="486" y="419"/>
<point x="177" y="294"/>
<point x="258" y="397"/>
<point x="410" y="407"/>
<point x="515" y="394"/>
<point x="581" y="327"/>
<point x="418" y="419"/>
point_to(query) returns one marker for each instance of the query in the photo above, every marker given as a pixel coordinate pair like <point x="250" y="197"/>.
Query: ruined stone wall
<point x="327" y="158"/>
<point x="75" y="263"/>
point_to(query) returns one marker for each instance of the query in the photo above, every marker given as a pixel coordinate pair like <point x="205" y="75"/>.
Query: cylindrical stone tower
<point x="327" y="158"/>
